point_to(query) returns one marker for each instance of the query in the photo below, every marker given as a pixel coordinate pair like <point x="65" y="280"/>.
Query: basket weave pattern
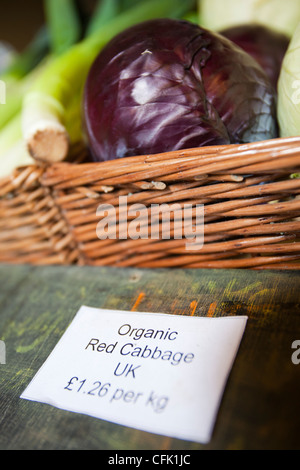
<point x="251" y="203"/>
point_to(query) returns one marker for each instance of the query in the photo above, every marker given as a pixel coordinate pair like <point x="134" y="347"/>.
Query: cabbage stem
<point x="46" y="104"/>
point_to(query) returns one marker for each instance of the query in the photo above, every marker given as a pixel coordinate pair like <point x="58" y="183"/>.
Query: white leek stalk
<point x="42" y="127"/>
<point x="13" y="152"/>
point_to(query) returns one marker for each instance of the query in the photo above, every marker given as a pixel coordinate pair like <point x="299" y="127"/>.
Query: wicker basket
<point x="250" y="195"/>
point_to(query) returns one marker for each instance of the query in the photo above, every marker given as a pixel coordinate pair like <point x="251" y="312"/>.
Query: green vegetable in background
<point x="62" y="29"/>
<point x="51" y="40"/>
<point x="289" y="89"/>
<point x="44" y="85"/>
<point x="7" y="56"/>
<point x="64" y="24"/>
<point x="18" y="76"/>
<point x="105" y="11"/>
<point x="281" y="15"/>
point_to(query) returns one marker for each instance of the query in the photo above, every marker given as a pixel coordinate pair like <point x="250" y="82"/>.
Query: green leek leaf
<point x="64" y="25"/>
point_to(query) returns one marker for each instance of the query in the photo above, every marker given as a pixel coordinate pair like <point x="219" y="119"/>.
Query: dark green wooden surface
<point x="260" y="407"/>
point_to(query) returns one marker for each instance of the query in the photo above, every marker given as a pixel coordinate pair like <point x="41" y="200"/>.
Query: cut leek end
<point x="46" y="138"/>
<point x="49" y="145"/>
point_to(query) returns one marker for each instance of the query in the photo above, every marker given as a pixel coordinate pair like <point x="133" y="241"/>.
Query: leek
<point x="16" y="156"/>
<point x="15" y="92"/>
<point x="22" y="71"/>
<point x="13" y="152"/>
<point x="45" y="105"/>
<point x="192" y="17"/>
<point x="105" y="11"/>
<point x="10" y="134"/>
<point x="64" y="24"/>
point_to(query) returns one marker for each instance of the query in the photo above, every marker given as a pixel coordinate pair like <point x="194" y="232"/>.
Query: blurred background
<point x="19" y="20"/>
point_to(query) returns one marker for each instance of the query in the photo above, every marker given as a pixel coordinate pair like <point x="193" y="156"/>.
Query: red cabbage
<point x="266" y="46"/>
<point x="166" y="85"/>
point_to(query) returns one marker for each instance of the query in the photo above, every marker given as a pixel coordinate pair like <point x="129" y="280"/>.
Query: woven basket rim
<point x="252" y="207"/>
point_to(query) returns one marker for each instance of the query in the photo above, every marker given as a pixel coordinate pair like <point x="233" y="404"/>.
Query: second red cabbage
<point x="266" y="46"/>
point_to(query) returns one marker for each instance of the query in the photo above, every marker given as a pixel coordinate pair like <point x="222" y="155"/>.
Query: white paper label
<point x="159" y="373"/>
